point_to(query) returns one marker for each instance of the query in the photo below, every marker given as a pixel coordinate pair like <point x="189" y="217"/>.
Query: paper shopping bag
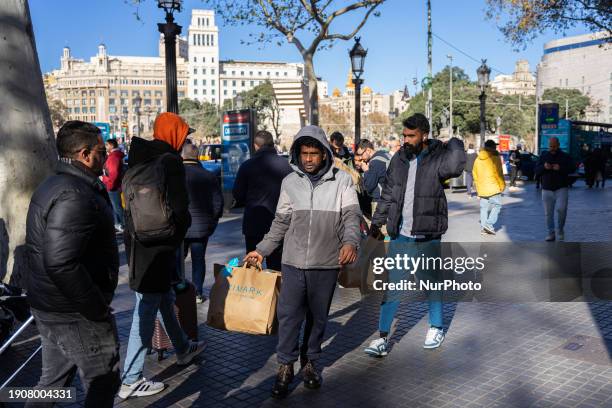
<point x="245" y="300"/>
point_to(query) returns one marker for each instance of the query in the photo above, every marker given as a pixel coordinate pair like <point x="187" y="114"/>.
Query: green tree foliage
<point x="576" y="101"/>
<point x="521" y="21"/>
<point x="58" y="111"/>
<point x="515" y="120"/>
<point x="204" y="117"/>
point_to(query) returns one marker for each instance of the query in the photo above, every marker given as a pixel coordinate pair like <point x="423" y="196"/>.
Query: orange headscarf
<point x="171" y="128"/>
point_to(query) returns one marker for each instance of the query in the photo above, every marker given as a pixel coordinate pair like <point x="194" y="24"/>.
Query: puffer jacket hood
<point x="485" y="154"/>
<point x="318" y="134"/>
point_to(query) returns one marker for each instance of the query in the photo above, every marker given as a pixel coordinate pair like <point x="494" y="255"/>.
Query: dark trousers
<point x="469" y="181"/>
<point x="115" y="199"/>
<point x="513" y="175"/>
<point x="198" y="260"/>
<point x="304" y="292"/>
<point x="273" y="261"/>
<point x="71" y="342"/>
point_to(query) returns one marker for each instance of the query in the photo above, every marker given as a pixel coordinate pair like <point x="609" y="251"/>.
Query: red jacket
<point x="113" y="170"/>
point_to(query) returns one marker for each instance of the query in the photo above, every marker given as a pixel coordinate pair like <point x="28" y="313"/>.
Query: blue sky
<point x="396" y="41"/>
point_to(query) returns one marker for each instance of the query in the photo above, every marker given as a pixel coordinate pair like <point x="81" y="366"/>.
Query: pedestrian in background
<point x="317" y="218"/>
<point x="74" y="268"/>
<point x="515" y="165"/>
<point x="469" y="167"/>
<point x="257" y="188"/>
<point x="153" y="264"/>
<point x="373" y="165"/>
<point x="490" y="184"/>
<point x="336" y="140"/>
<point x="112" y="177"/>
<point x="205" y="208"/>
<point x="554" y="167"/>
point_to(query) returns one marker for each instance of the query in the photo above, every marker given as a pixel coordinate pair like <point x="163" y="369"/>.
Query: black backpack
<point x="148" y="215"/>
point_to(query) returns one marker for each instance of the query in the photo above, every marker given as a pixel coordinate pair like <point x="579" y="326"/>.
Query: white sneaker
<point x="434" y="338"/>
<point x="141" y="388"/>
<point x="195" y="348"/>
<point x="119" y="228"/>
<point x="378" y="348"/>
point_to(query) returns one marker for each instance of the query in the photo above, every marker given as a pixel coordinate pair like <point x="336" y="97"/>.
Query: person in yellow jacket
<point x="489" y="181"/>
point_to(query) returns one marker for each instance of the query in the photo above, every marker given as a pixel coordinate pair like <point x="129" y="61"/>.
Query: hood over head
<point x="316" y="133"/>
<point x="172" y="129"/>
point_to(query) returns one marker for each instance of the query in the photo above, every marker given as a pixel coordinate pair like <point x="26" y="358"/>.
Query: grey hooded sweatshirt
<point x="313" y="221"/>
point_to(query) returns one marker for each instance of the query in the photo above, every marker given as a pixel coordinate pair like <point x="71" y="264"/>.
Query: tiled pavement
<point x="495" y="355"/>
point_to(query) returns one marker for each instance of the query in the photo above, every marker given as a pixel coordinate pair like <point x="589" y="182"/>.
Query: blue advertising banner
<point x="561" y="132"/>
<point x="236" y="136"/>
<point x="105" y="129"/>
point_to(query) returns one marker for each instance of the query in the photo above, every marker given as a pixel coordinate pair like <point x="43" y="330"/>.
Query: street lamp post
<point x="137" y="102"/>
<point x="170" y="30"/>
<point x="357" y="55"/>
<point x="483" y="72"/>
<point x="450" y="123"/>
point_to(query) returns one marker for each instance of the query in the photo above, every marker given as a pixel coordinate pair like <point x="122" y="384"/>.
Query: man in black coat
<point x="70" y="237"/>
<point x="205" y="207"/>
<point x="413" y="207"/>
<point x="554" y="168"/>
<point x="153" y="266"/>
<point x="257" y="187"/>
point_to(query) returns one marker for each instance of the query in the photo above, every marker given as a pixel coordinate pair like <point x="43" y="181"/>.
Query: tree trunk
<point x="313" y="94"/>
<point x="27" y="145"/>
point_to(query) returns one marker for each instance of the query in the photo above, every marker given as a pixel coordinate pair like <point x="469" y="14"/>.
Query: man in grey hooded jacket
<point x="317" y="221"/>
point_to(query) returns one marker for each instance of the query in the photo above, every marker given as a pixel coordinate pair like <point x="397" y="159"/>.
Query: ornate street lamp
<point x="357" y="55"/>
<point x="137" y="102"/>
<point x="483" y="72"/>
<point x="170" y="30"/>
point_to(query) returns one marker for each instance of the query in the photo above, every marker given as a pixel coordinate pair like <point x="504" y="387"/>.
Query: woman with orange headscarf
<point x="153" y="266"/>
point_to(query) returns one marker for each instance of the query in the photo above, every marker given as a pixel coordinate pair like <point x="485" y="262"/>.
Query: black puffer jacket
<point x="152" y="267"/>
<point x="205" y="200"/>
<point x="71" y="242"/>
<point x="438" y="162"/>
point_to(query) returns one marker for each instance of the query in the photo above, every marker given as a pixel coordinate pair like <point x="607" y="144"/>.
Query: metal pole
<point x="357" y="82"/>
<point x="17" y="333"/>
<point x="483" y="97"/>
<point x="429" y="67"/>
<point x="170" y="30"/>
<point x="450" y="124"/>
<point x="566" y="108"/>
<point x="7" y="382"/>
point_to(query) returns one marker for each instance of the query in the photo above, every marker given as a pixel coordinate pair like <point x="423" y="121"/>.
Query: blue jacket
<point x="205" y="200"/>
<point x="257" y="188"/>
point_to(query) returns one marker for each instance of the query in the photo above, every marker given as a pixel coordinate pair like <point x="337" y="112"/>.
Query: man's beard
<point x="412" y="150"/>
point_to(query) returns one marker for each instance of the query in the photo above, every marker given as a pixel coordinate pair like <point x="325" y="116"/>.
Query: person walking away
<point x="515" y="165"/>
<point x="489" y="181"/>
<point x="257" y="188"/>
<point x="600" y="168"/>
<point x="205" y="208"/>
<point x="71" y="243"/>
<point x="112" y="177"/>
<point x="317" y="218"/>
<point x="414" y="209"/>
<point x="152" y="239"/>
<point x="554" y="167"/>
<point x="469" y="166"/>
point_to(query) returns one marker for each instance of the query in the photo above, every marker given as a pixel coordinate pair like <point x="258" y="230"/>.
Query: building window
<point x="112" y="109"/>
<point x="204" y="71"/>
<point x="147" y="102"/>
<point x="92" y="101"/>
<point x="212" y="82"/>
<point x="135" y="93"/>
<point x="123" y="101"/>
<point x="242" y="83"/>
<point x="212" y="71"/>
<point x="225" y="92"/>
<point x="78" y="110"/>
<point x="212" y="91"/>
<point x="212" y="40"/>
<point x="195" y="91"/>
<point x="259" y="73"/>
<point x="268" y="73"/>
<point x="233" y="73"/>
<point x="158" y="102"/>
<point x="111" y="101"/>
<point x="195" y="81"/>
<point x="213" y="59"/>
<point x="225" y="83"/>
<point x="565" y="81"/>
<point x="158" y="94"/>
<point x="195" y="71"/>
<point x="252" y="83"/>
<point x="203" y="91"/>
<point x="194" y="43"/>
<point x="233" y="83"/>
<point x="204" y="82"/>
<point x="285" y="73"/>
<point x="92" y="110"/>
<point x="124" y="93"/>
<point x="277" y="74"/>
<point x="83" y="101"/>
<point x="241" y="73"/>
<point x="112" y="92"/>
<point x="234" y="92"/>
<point x="213" y="100"/>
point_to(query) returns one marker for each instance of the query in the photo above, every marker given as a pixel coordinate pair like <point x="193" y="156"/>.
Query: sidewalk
<point x="494" y="355"/>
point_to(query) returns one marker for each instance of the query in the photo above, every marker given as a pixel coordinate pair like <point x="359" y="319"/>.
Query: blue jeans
<point x="198" y="261"/>
<point x="404" y="245"/>
<point x="148" y="306"/>
<point x="489" y="210"/>
<point x="552" y="199"/>
<point x="115" y="199"/>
